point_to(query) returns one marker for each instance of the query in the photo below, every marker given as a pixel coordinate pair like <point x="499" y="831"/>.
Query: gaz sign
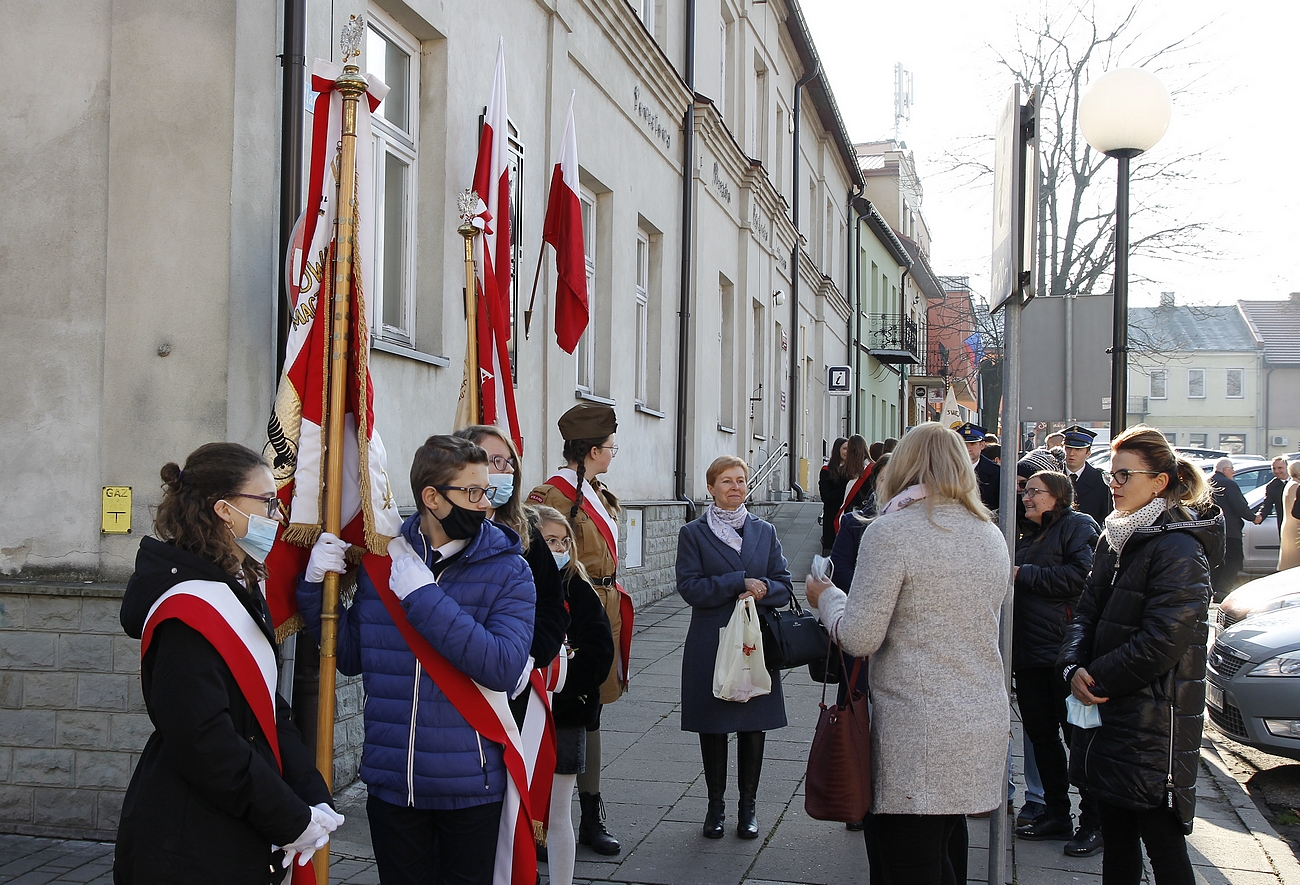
<point x="115" y="516"/>
<point x="839" y="380"/>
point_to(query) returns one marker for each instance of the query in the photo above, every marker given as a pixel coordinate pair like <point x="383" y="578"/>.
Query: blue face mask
<point x="259" y="538"/>
<point x="500" y="487"/>
<point x="561" y="559"/>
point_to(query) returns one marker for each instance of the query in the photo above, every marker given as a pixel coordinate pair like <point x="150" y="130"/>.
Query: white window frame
<point x="645" y="10"/>
<point x="1163" y="376"/>
<point x="1191" y="373"/>
<point x="585" y="352"/>
<point x="642" y="291"/>
<point x="1204" y="440"/>
<point x="722" y="68"/>
<point x="1241" y="387"/>
<point x="403" y="144"/>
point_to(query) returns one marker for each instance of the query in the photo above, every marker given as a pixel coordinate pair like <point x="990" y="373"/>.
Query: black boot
<point x="713" y="748"/>
<point x="591" y="829"/>
<point x="749" y="767"/>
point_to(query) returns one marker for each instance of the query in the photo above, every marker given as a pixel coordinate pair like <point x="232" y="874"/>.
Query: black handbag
<point x="791" y="637"/>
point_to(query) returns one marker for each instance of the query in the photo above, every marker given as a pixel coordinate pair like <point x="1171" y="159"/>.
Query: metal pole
<point x="1119" y="336"/>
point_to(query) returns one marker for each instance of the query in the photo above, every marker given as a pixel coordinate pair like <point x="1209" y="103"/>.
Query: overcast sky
<point x="1242" y="108"/>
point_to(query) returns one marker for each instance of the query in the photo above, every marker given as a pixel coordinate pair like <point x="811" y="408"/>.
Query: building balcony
<point x="892" y="338"/>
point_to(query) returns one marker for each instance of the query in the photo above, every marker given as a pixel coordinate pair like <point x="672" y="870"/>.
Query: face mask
<point x="500" y="487"/>
<point x="259" y="538"/>
<point x="461" y="524"/>
<point x="561" y="559"/>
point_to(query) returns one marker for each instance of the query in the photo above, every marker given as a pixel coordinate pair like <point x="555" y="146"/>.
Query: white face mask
<point x="561" y="559"/>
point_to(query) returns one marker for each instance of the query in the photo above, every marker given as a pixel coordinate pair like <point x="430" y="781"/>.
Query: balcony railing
<point x="892" y="338"/>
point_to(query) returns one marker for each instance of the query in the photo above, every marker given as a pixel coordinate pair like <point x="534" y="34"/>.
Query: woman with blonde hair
<point x="932" y="573"/>
<point x="1136" y="650"/>
<point x="1289" y="555"/>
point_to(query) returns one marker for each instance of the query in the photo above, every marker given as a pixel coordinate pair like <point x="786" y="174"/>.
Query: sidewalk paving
<point x="655" y="798"/>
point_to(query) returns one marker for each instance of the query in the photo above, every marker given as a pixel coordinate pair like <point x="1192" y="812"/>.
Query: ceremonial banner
<point x="493" y="251"/>
<point x="296" y="431"/>
<point x="563" y="230"/>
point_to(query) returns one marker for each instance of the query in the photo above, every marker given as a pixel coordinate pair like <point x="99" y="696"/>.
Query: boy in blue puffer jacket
<point x="435" y="785"/>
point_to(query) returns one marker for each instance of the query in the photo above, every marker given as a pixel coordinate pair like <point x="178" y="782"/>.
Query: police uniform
<point x="987" y="472"/>
<point x="1091" y="496"/>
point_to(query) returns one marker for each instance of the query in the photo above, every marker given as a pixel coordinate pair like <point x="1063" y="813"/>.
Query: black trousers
<point x="1040" y="694"/>
<point x="917" y="849"/>
<point x="1126" y="831"/>
<point x="1224" y="578"/>
<point x="415" y="846"/>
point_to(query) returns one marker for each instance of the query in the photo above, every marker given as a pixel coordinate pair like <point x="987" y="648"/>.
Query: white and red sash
<point x="565" y="481"/>
<point x="210" y="607"/>
<point x="488" y="713"/>
<point x="853" y="493"/>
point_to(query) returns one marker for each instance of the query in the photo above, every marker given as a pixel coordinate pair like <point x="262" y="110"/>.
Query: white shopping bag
<point x="738" y="672"/>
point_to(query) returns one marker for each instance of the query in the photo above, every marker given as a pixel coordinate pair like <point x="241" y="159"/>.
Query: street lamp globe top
<point x="1126" y="111"/>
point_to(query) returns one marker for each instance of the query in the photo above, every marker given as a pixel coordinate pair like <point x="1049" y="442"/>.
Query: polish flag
<point x="563" y="230"/>
<point x="494" y="248"/>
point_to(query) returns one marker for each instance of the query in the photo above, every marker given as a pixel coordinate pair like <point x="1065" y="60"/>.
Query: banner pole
<point x="537" y="275"/>
<point x="352" y="86"/>
<point x="468" y="200"/>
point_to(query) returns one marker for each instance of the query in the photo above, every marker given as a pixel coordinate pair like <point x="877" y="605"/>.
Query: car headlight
<point x="1288" y="601"/>
<point x="1282" y="665"/>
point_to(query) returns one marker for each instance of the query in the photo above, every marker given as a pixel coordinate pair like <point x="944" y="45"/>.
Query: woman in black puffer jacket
<point x="1053" y="558"/>
<point x="1136" y="647"/>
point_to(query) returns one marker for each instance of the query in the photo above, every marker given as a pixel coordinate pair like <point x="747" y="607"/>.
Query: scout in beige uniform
<point x="574" y="490"/>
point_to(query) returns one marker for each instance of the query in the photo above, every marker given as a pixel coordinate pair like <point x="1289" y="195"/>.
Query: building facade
<point x="1276" y="324"/>
<point x="143" y="273"/>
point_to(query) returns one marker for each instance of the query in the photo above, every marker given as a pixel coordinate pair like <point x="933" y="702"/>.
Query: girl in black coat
<point x="831" y="484"/>
<point x="208" y="799"/>
<point x="576" y="705"/>
<point x="1053" y="558"/>
<point x="1136" y="648"/>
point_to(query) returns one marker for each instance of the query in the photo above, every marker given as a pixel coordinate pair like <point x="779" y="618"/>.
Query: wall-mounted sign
<point x="839" y="380"/>
<point x="115" y="514"/>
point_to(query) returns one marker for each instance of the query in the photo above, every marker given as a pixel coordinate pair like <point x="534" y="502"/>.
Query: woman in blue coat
<point x="724" y="556"/>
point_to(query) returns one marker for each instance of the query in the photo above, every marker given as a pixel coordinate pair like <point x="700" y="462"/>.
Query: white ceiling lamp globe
<point x="1127" y="109"/>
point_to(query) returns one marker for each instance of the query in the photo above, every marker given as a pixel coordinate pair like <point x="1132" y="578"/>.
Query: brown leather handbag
<point x="838" y="782"/>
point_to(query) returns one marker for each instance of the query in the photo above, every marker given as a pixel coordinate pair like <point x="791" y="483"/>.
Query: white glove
<point x="523" y="678"/>
<point x="332" y="814"/>
<point x="314" y="837"/>
<point x="409" y="573"/>
<point x="327" y="555"/>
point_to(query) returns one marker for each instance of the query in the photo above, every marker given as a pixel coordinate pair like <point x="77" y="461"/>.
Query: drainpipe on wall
<point x="684" y="307"/>
<point x="291" y="125"/>
<point x="794" y="284"/>
<point x="855" y="303"/>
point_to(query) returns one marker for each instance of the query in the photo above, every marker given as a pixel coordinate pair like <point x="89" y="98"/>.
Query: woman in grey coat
<point x="932" y="573"/>
<point x="724" y="556"/>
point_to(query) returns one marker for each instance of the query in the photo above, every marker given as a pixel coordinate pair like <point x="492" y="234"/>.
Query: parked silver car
<point x="1276" y="591"/>
<point x="1252" y="686"/>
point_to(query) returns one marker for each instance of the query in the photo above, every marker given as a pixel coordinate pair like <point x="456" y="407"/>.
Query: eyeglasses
<point x="272" y="503"/>
<point x="613" y="450"/>
<point x="559" y="545"/>
<point x="474" y="493"/>
<point x="1121" y="477"/>
<point x="1031" y="493"/>
<point x="500" y="463"/>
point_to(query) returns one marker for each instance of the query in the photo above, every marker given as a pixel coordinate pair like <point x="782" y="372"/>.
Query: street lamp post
<point x="1121" y="115"/>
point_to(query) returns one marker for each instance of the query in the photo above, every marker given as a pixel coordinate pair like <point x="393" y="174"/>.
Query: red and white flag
<point x="563" y="230"/>
<point x="296" y="431"/>
<point x="494" y="248"/>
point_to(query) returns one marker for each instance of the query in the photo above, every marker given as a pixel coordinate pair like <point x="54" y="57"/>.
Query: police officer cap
<point x="588" y="421"/>
<point x="1077" y="437"/>
<point x="971" y="433"/>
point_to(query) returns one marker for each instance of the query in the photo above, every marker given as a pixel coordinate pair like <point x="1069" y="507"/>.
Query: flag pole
<point x="352" y="85"/>
<point x="467" y="204"/>
<point x="537" y="275"/>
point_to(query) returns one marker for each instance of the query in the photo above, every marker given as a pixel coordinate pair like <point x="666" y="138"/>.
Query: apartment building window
<point x="1196" y="384"/>
<point x="642" y="316"/>
<point x="724" y="37"/>
<point x="1172" y="436"/>
<point x="1159" y="379"/>
<point x="758" y="112"/>
<point x="586" y="351"/>
<point x="645" y="10"/>
<point x="393" y="55"/>
<point x="727" y="353"/>
<point x="1198" y="440"/>
<point x="1236" y="384"/>
<point x="1232" y="443"/>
